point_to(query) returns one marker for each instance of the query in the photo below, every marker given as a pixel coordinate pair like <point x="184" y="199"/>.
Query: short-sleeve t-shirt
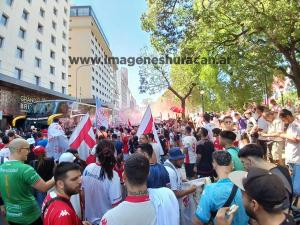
<point x="174" y="175"/>
<point x="59" y="212"/>
<point x="190" y="142"/>
<point x="100" y="194"/>
<point x="16" y="181"/>
<point x="158" y="176"/>
<point x="214" y="197"/>
<point x="292" y="149"/>
<point x="205" y="148"/>
<point x="237" y="164"/>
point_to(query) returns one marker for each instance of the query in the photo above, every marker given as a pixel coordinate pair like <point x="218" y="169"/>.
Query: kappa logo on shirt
<point x="64" y="213"/>
<point x="104" y="222"/>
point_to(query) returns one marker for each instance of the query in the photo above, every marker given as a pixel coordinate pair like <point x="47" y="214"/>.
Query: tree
<point x="260" y="36"/>
<point x="155" y="78"/>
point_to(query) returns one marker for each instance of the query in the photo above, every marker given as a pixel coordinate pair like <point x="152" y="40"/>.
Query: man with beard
<point x="57" y="208"/>
<point x="263" y="196"/>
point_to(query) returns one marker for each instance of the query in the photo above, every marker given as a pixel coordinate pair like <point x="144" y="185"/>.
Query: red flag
<point x="83" y="137"/>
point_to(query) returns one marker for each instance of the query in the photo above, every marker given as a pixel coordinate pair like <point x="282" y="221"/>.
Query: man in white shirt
<point x="136" y="209"/>
<point x="292" y="136"/>
<point x="189" y="143"/>
<point x="208" y="126"/>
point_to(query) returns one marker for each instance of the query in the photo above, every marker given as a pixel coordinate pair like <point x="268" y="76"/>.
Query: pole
<point x="282" y="102"/>
<point x="266" y="90"/>
<point x="76" y="74"/>
<point x="202" y="99"/>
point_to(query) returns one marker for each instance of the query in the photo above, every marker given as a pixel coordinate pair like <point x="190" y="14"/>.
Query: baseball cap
<point x="175" y="154"/>
<point x="38" y="150"/>
<point x="263" y="186"/>
<point x="66" y="157"/>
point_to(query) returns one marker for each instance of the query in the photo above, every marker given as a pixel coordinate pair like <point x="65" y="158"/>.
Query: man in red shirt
<point x="57" y="208"/>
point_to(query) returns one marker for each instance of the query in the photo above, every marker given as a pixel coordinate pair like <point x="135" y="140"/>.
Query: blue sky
<point x="120" y="20"/>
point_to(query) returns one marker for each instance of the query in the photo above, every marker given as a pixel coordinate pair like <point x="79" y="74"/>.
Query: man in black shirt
<point x="263" y="196"/>
<point x="204" y="151"/>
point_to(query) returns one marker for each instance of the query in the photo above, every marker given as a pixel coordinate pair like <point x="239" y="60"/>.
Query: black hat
<point x="263" y="186"/>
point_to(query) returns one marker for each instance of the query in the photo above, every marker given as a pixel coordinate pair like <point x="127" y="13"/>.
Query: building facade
<point x="88" y="80"/>
<point x="33" y="53"/>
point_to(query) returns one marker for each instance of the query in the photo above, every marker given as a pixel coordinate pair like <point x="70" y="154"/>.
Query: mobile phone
<point x="231" y="210"/>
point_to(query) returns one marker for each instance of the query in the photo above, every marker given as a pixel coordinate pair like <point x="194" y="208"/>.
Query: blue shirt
<point x="158" y="176"/>
<point x="214" y="197"/>
<point x="42" y="142"/>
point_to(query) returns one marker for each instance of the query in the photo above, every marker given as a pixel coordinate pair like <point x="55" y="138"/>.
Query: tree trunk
<point x="183" y="107"/>
<point x="296" y="80"/>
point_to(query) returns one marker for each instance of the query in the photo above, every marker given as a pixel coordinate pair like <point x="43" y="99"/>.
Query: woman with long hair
<point x="44" y="167"/>
<point x="101" y="184"/>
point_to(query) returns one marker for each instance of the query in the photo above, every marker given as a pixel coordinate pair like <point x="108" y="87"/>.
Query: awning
<point x="17" y="118"/>
<point x="50" y="118"/>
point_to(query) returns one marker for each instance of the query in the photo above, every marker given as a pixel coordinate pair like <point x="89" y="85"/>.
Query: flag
<point x="147" y="126"/>
<point x="57" y="141"/>
<point x="102" y="116"/>
<point x="83" y="137"/>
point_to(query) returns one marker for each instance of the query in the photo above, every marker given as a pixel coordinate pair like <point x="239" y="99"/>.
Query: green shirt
<point x="237" y="164"/>
<point x="16" y="180"/>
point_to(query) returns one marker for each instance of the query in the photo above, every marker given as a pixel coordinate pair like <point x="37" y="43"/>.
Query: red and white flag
<point x="83" y="137"/>
<point x="147" y="126"/>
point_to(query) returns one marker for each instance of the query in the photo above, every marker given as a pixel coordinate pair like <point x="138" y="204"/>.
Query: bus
<point x="42" y="113"/>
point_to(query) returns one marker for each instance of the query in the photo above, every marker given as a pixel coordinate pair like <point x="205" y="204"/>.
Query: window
<point x="29" y="1"/>
<point x="38" y="44"/>
<point x="42" y="12"/>
<point x="37" y="80"/>
<point x="18" y="73"/>
<point x="54" y="11"/>
<point x="63" y="76"/>
<point x="37" y="62"/>
<point x="63" y="62"/>
<point x="52" y="70"/>
<point x="93" y="87"/>
<point x="52" y="54"/>
<point x="20" y="53"/>
<point x="25" y="14"/>
<point x="4" y="20"/>
<point x="9" y="2"/>
<point x="53" y="25"/>
<point x="65" y="23"/>
<point x="51" y="85"/>
<point x="66" y="11"/>
<point x="1" y="41"/>
<point x="53" y="39"/>
<point x="40" y="28"/>
<point x="22" y="33"/>
<point x="64" y="35"/>
<point x="63" y="48"/>
<point x="63" y="89"/>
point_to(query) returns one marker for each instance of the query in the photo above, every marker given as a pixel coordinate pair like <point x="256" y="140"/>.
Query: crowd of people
<point x="252" y="159"/>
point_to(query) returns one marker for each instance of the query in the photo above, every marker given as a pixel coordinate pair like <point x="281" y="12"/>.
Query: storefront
<point x="16" y="98"/>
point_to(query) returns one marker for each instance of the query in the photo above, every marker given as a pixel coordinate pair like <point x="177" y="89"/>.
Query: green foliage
<point x="261" y="37"/>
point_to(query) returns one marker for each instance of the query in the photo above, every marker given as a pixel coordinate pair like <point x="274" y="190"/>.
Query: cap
<point x="66" y="157"/>
<point x="175" y="154"/>
<point x="38" y="150"/>
<point x="30" y="141"/>
<point x="263" y="186"/>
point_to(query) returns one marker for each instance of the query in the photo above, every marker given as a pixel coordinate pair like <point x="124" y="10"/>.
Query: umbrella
<point x="176" y="109"/>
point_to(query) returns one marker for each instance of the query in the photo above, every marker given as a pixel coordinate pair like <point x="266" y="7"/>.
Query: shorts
<point x="189" y="169"/>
